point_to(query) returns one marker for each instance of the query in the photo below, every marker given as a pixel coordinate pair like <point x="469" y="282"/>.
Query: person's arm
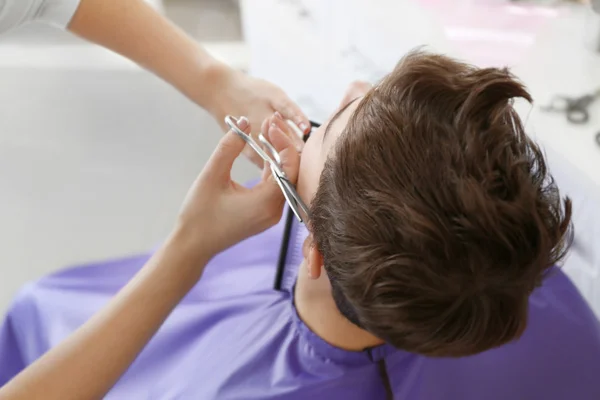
<point x="135" y="30"/>
<point x="87" y="364"/>
<point x="216" y="214"/>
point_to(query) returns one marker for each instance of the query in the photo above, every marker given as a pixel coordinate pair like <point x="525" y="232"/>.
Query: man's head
<point x="432" y="213"/>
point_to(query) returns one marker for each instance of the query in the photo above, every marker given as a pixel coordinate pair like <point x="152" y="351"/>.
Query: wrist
<point x="191" y="249"/>
<point x="214" y="90"/>
<point x="210" y="87"/>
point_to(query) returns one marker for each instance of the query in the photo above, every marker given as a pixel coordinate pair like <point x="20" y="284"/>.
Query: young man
<point x="428" y="272"/>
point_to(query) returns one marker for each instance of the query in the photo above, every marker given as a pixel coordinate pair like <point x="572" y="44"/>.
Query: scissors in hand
<point x="576" y="108"/>
<point x="268" y="153"/>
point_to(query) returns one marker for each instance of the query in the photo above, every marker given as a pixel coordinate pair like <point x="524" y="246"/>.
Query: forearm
<point x="89" y="363"/>
<point x="135" y="30"/>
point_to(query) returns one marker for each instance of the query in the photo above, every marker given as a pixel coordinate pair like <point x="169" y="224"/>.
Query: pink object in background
<point x="492" y="32"/>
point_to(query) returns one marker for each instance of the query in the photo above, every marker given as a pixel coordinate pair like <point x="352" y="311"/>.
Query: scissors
<point x="272" y="157"/>
<point x="576" y="108"/>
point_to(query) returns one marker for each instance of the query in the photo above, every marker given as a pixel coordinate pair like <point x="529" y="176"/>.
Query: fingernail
<point x="278" y="115"/>
<point x="243" y="123"/>
<point x="304" y="127"/>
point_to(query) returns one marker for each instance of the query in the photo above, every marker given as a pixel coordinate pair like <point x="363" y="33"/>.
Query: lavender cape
<point x="234" y="337"/>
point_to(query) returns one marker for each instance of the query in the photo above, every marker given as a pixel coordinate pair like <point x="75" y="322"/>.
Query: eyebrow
<point x="336" y="116"/>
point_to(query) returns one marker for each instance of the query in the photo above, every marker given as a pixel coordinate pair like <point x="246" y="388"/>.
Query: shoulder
<point x="557" y="357"/>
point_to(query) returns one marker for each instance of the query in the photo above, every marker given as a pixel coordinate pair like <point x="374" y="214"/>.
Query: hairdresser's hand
<point x="218" y="212"/>
<point x="236" y="93"/>
<point x="278" y="123"/>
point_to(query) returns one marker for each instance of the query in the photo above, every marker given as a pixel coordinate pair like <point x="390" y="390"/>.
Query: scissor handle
<point x="233" y="125"/>
<point x="578" y="115"/>
<point x="273" y="158"/>
<point x="559" y="103"/>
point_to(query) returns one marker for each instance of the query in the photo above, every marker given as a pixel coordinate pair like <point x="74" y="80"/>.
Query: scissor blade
<point x="288" y="198"/>
<point x="274" y="154"/>
<point x="232" y="123"/>
<point x="297" y="201"/>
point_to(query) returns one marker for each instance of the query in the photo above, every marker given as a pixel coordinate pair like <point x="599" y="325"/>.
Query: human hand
<point x="218" y="212"/>
<point x="277" y="122"/>
<point x="236" y="93"/>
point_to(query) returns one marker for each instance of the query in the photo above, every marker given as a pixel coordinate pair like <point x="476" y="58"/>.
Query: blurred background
<point x="96" y="154"/>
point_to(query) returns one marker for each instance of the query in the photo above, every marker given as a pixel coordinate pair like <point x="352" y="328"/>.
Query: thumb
<point x="228" y="150"/>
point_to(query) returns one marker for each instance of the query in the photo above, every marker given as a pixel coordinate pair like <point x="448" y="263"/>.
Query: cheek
<point x="310" y="171"/>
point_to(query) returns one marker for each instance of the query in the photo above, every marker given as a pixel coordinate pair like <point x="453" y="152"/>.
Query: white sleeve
<point x="14" y="13"/>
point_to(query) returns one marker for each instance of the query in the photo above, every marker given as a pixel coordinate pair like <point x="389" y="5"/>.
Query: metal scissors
<point x="576" y="108"/>
<point x="271" y="156"/>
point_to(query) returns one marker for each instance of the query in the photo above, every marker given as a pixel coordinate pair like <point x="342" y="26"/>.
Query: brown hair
<point x="435" y="213"/>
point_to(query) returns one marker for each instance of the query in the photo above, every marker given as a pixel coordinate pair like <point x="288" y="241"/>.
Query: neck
<point x="317" y="309"/>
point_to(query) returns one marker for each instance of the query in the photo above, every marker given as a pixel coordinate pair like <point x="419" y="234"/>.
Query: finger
<point x="290" y="157"/>
<point x="267" y="192"/>
<point x="265" y="126"/>
<point x="279" y="138"/>
<point x="267" y="198"/>
<point x="282" y="143"/>
<point x="289" y="131"/>
<point x="227" y="151"/>
<point x="290" y="110"/>
<point x="282" y="124"/>
<point x="277" y="120"/>
<point x="266" y="171"/>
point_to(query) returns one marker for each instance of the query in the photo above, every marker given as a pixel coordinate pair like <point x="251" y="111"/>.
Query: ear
<point x="314" y="261"/>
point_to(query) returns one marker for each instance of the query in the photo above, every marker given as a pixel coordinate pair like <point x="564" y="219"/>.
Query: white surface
<point x="314" y="49"/>
<point x="82" y="56"/>
<point x="560" y="63"/>
<point x="95" y="156"/>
